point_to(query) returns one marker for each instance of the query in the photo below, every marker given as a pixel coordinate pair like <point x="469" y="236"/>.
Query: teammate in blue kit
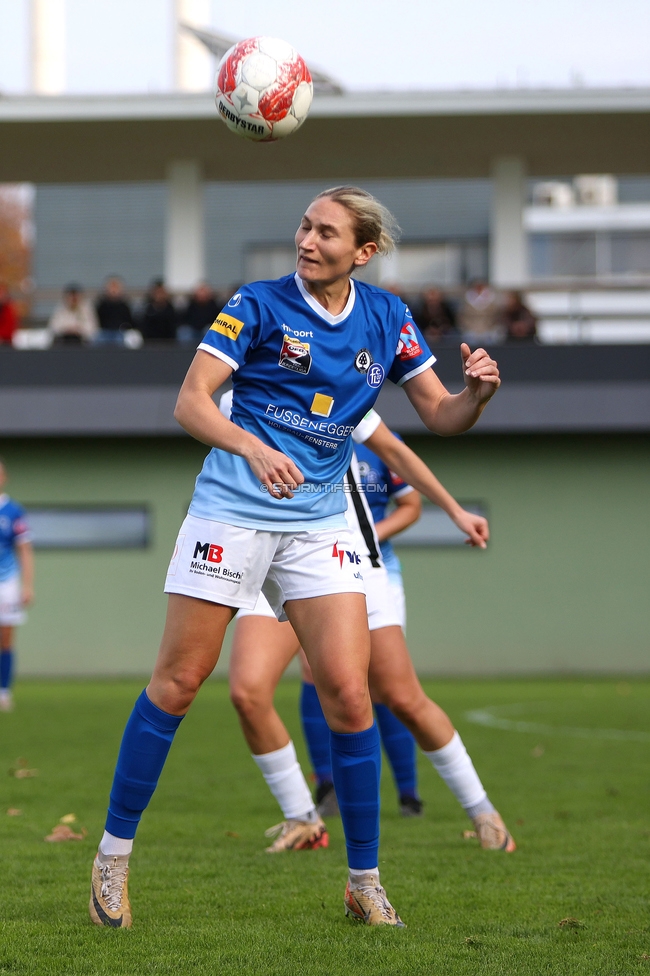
<point x="308" y="354"/>
<point x="16" y="583"/>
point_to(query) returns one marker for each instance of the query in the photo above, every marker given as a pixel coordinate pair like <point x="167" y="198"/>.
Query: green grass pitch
<point x="207" y="899"/>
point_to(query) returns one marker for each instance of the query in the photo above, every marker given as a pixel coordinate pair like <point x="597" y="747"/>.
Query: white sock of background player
<point x="284" y="777"/>
<point x="455" y="766"/>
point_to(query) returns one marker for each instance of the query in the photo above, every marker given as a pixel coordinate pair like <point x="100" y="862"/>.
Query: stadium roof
<point x="369" y="134"/>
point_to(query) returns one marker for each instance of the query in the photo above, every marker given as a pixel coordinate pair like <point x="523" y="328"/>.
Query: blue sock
<point x="400" y="749"/>
<point x="6" y="667"/>
<point x="146" y="741"/>
<point x="356" y="766"/>
<point x="316" y="732"/>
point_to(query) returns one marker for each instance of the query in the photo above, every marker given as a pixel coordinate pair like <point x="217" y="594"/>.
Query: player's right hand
<point x="475" y="526"/>
<point x="275" y="471"/>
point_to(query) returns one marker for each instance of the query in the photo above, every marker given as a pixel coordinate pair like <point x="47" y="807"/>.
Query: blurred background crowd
<point x="479" y="314"/>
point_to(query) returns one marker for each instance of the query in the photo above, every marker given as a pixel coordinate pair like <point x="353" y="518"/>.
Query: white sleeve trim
<point x="219" y="355"/>
<point x="414" y="372"/>
<point x="406" y="490"/>
<point x="366" y="427"/>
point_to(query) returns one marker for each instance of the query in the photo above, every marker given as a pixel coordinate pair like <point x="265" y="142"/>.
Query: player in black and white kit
<point x="262" y="649"/>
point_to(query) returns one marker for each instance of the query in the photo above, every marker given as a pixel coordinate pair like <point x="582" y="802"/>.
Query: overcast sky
<point x="126" y="45"/>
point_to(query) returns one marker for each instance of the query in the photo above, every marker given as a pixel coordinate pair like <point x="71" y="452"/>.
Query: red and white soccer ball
<point x="263" y="89"/>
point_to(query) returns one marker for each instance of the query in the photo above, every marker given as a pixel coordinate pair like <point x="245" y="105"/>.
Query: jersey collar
<point x="318" y="308"/>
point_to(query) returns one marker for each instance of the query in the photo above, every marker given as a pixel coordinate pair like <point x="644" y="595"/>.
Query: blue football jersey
<point x="13" y="530"/>
<point x="380" y="484"/>
<point x="303" y="379"/>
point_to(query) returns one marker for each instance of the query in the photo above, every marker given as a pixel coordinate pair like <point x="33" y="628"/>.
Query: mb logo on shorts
<point x="208" y="551"/>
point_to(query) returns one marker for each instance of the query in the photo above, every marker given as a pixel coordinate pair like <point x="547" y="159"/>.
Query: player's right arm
<point x="25" y="556"/>
<point x="405" y="462"/>
<point x="199" y="415"/>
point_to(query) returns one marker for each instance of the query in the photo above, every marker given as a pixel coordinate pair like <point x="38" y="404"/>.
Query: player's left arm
<point x="25" y="556"/>
<point x="407" y="511"/>
<point x="412" y="469"/>
<point x="453" y="413"/>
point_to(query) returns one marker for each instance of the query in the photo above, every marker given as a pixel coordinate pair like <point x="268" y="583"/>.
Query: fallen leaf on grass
<point x="644" y="956"/>
<point x="20" y="769"/>
<point x="469" y="835"/>
<point x="63" y="832"/>
<point x="14" y="812"/>
<point x="473" y="942"/>
<point x="232" y="833"/>
<point x="571" y="923"/>
<point x="520" y="822"/>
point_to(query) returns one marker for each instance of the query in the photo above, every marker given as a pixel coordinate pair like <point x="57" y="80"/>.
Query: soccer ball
<point x="263" y="89"/>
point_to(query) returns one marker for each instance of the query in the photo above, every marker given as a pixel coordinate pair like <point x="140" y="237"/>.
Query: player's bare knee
<point x="247" y="701"/>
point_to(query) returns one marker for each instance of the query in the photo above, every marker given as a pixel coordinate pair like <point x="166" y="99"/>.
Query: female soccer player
<point x="309" y="353"/>
<point x="262" y="649"/>
<point x="16" y="583"/>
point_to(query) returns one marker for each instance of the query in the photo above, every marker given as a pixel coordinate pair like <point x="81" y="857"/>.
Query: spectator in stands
<point x="157" y="321"/>
<point x="8" y="316"/>
<point x="434" y="315"/>
<point x="113" y="312"/>
<point x="73" y="322"/>
<point x="480" y="315"/>
<point x="198" y="315"/>
<point x="519" y="321"/>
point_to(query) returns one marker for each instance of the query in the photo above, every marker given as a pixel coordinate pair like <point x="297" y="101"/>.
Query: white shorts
<point x="261" y="609"/>
<point x="384" y="598"/>
<point x="231" y="565"/>
<point x="383" y="609"/>
<point x="11" y="604"/>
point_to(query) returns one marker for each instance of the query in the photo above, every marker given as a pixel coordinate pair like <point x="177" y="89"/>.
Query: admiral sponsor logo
<point x="227" y="325"/>
<point x="408" y="346"/>
<point x="207" y="561"/>
<point x="363" y="360"/>
<point x="295" y="355"/>
<point x="322" y="404"/>
<point x="291" y="418"/>
<point x="234" y="301"/>
<point x="375" y="375"/>
<point x="298" y="333"/>
<point x="340" y="554"/>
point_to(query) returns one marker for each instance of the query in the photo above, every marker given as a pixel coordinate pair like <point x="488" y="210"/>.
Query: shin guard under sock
<point x="356" y="769"/>
<point x="146" y="741"/>
<point x="316" y="732"/>
<point x="400" y="749"/>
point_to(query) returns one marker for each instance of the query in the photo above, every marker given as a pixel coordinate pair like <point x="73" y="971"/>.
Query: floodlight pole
<point x="184" y="231"/>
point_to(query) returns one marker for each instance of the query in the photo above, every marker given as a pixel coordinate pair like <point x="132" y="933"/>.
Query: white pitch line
<point x="485" y="716"/>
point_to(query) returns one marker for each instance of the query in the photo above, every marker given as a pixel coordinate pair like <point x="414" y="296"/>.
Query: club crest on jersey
<point x="408" y="346"/>
<point x="295" y="355"/>
<point x="375" y="375"/>
<point x="363" y="360"/>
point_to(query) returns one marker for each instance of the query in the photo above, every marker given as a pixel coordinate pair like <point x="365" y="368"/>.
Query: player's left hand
<point x="475" y="526"/>
<point x="481" y="373"/>
<point x="27" y="596"/>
